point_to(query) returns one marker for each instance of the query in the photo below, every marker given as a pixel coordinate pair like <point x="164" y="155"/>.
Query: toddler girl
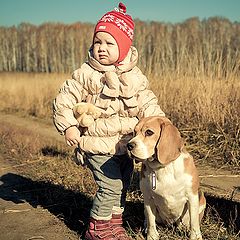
<point x="110" y="80"/>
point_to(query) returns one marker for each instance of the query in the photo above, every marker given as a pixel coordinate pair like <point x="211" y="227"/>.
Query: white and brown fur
<point x="169" y="179"/>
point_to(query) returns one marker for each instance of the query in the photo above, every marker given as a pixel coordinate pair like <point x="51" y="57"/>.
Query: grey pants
<point x="112" y="174"/>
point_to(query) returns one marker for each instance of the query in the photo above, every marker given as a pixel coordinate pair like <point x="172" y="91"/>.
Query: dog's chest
<point x="164" y="184"/>
<point x="166" y="188"/>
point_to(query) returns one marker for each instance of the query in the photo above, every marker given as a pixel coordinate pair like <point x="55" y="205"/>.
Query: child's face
<point x="105" y="48"/>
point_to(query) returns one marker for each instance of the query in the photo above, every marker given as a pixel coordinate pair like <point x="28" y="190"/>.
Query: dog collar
<point x="154" y="164"/>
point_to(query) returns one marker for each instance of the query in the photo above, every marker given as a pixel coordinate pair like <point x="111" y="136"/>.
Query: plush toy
<point x="86" y="113"/>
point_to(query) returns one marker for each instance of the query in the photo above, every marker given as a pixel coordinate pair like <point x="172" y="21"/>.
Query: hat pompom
<point x="122" y="7"/>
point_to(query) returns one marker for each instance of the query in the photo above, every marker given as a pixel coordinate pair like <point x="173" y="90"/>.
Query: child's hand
<point x="72" y="136"/>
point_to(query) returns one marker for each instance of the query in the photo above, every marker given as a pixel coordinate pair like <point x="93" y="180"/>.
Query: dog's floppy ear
<point x="170" y="143"/>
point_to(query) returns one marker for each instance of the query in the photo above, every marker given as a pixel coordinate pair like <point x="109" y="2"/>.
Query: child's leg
<point x="107" y="174"/>
<point x="126" y="168"/>
<point x="113" y="175"/>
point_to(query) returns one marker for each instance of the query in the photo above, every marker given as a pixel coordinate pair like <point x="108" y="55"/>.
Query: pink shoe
<point x="99" y="229"/>
<point x="117" y="229"/>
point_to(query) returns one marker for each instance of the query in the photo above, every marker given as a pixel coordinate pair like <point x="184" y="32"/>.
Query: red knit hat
<point x="120" y="26"/>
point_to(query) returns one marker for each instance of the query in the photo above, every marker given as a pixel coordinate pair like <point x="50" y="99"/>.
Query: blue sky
<point x="14" y="12"/>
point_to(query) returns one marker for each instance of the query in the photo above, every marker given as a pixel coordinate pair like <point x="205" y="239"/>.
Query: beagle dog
<point x="169" y="178"/>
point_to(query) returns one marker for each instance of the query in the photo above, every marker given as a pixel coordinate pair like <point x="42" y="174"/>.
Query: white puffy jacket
<point x="122" y="92"/>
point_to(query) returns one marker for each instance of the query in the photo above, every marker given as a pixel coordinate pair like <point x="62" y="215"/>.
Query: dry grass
<point x="200" y="100"/>
<point x="29" y="94"/>
<point x="193" y="68"/>
<point x="66" y="189"/>
<point x="205" y="110"/>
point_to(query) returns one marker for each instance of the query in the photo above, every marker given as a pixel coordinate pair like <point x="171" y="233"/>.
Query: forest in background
<point x="208" y="47"/>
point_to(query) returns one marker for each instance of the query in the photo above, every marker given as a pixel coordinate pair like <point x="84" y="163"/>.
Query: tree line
<point x="210" y="47"/>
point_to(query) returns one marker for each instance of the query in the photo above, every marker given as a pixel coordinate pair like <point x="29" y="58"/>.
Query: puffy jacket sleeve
<point x="70" y="93"/>
<point x="112" y="126"/>
<point x="148" y="102"/>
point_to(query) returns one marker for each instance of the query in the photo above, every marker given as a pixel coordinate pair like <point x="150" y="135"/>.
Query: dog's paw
<point x="153" y="235"/>
<point x="195" y="236"/>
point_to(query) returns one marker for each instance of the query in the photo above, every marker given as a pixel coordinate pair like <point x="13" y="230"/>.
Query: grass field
<point x="66" y="189"/>
<point x="193" y="68"/>
<point x="206" y="110"/>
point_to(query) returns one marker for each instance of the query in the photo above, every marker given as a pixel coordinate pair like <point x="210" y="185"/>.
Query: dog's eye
<point x="149" y="133"/>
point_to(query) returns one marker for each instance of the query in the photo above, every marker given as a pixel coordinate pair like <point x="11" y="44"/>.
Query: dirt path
<point x="220" y="183"/>
<point x="22" y="219"/>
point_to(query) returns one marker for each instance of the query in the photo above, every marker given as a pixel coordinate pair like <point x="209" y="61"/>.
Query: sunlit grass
<point x="62" y="185"/>
<point x="206" y="110"/>
<point x="30" y="94"/>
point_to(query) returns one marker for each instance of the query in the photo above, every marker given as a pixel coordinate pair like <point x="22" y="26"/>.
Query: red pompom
<point x="122" y="7"/>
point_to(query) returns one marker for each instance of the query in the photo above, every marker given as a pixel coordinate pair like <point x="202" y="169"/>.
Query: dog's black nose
<point x="131" y="146"/>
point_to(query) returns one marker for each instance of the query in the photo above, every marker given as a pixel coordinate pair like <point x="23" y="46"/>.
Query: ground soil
<point x="22" y="218"/>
